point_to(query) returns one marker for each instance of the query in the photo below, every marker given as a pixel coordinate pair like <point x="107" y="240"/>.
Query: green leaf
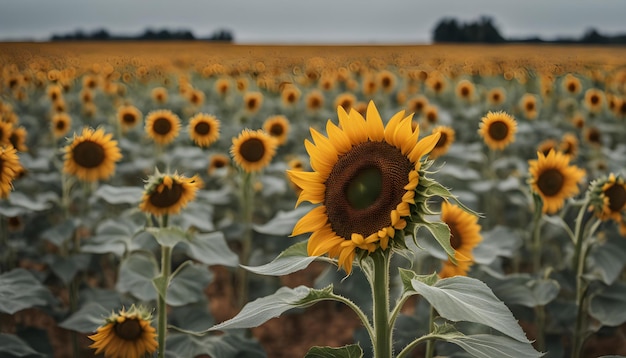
<point x="135" y="276"/>
<point x="40" y="202"/>
<point x="211" y="249"/>
<point x="544" y="290"/>
<point x="283" y="222"/>
<point x="197" y="216"/>
<point x="608" y="305"/>
<point x="261" y="310"/>
<point x="490" y="346"/>
<point x="223" y="346"/>
<point x="441" y="232"/>
<point x="66" y="268"/>
<point x="112" y="236"/>
<point x="606" y="261"/>
<point x="499" y="241"/>
<point x="187" y="285"/>
<point x="19" y="290"/>
<point x="87" y="319"/>
<point x="522" y="289"/>
<point x="349" y="351"/>
<point x="168" y="236"/>
<point x="293" y="259"/>
<point x="119" y="194"/>
<point x="60" y="233"/>
<point x="12" y="346"/>
<point x="463" y="298"/>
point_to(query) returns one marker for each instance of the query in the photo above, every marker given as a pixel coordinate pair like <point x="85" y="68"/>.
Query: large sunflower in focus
<point x="91" y="155"/>
<point x="166" y="194"/>
<point x="554" y="179"/>
<point x="10" y="168"/>
<point x="126" y="334"/>
<point x="364" y="178"/>
<point x="162" y="126"/>
<point x="464" y="237"/>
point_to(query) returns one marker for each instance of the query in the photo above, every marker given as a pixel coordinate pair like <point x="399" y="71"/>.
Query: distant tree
<point x="449" y="30"/>
<point x="222" y="35"/>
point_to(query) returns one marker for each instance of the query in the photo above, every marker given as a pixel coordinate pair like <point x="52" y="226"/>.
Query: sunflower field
<point x="208" y="200"/>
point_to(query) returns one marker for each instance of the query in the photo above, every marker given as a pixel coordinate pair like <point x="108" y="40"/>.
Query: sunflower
<point x="253" y="150"/>
<point x="314" y="100"/>
<point x="464" y="237"/>
<point x="196" y="97"/>
<point x="608" y="198"/>
<point x="252" y="101"/>
<point x="569" y="145"/>
<point x="528" y="103"/>
<point x="128" y="117"/>
<point x="166" y="194"/>
<point x="162" y="126"/>
<point x="278" y="127"/>
<point x="465" y="90"/>
<point x="204" y="129"/>
<point x="498" y="129"/>
<point x="364" y="176"/>
<point x="571" y="85"/>
<point x="10" y="168"/>
<point x="554" y="179"/>
<point x="54" y="92"/>
<point x="6" y="129"/>
<point x="496" y="96"/>
<point x="290" y="95"/>
<point x="345" y="100"/>
<point x="436" y="83"/>
<point x="159" y="95"/>
<point x="594" y="100"/>
<point x="60" y="124"/>
<point x="446" y="139"/>
<point x="17" y="138"/>
<point x="222" y="86"/>
<point x="431" y="114"/>
<point x="218" y="162"/>
<point x="91" y="155"/>
<point x="387" y="80"/>
<point x="242" y="84"/>
<point x="417" y="104"/>
<point x="126" y="334"/>
<point x="593" y="136"/>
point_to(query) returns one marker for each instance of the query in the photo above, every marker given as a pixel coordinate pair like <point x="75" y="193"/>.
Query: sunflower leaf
<point x="119" y="194"/>
<point x="283" y="222"/>
<point x="441" y="232"/>
<point x="168" y="236"/>
<point x="293" y="259"/>
<point x="13" y="346"/>
<point x="187" y="284"/>
<point x="607" y="306"/>
<point x="349" y="351"/>
<point x="136" y="274"/>
<point x="210" y="249"/>
<point x="488" y="346"/>
<point x="19" y="290"/>
<point x="463" y="298"/>
<point x="87" y="319"/>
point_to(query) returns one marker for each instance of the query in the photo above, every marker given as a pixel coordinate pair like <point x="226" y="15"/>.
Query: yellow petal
<point x="374" y="124"/>
<point x="424" y="146"/>
<point x="312" y="221"/>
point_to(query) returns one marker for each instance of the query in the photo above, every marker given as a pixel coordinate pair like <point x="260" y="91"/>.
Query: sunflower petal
<point x="374" y="124"/>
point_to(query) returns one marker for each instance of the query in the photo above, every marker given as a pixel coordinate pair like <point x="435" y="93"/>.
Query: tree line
<point x="222" y="35"/>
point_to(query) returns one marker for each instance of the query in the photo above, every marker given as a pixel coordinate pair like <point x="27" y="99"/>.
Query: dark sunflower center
<point x="202" y="128"/>
<point x="162" y="126"/>
<point x="530" y="106"/>
<point x="291" y="98"/>
<point x="364" y="186"/>
<point x="455" y="237"/>
<point x="168" y="196"/>
<point x="617" y="197"/>
<point x="572" y="87"/>
<point x="88" y="154"/>
<point x="443" y="139"/>
<point x="622" y="108"/>
<point x="251" y="103"/>
<point x="386" y="82"/>
<point x="495" y="97"/>
<point x="498" y="130"/>
<point x="219" y="163"/>
<point x="550" y="182"/>
<point x="277" y="130"/>
<point x="60" y="125"/>
<point x="129" y="330"/>
<point x="594" y="99"/>
<point x="438" y="86"/>
<point x="252" y="150"/>
<point x="314" y="102"/>
<point x="129" y="118"/>
<point x="465" y="92"/>
<point x="14" y="139"/>
<point x="594" y="136"/>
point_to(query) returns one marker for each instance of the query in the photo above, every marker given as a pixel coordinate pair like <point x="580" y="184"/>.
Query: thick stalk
<point x="430" y="344"/>
<point x="247" y="203"/>
<point x="540" y="321"/>
<point x="166" y="271"/>
<point x="380" y="295"/>
<point x="536" y="241"/>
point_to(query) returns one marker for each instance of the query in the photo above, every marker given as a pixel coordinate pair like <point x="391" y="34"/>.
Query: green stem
<point x="536" y="241"/>
<point x="406" y="350"/>
<point x="380" y="295"/>
<point x="166" y="270"/>
<point x="430" y="344"/>
<point x="540" y="321"/>
<point x="247" y="203"/>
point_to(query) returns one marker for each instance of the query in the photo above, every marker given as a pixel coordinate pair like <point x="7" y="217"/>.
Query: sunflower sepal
<point x="441" y="233"/>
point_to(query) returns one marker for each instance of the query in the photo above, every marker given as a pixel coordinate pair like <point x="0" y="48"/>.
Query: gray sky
<point x="309" y="21"/>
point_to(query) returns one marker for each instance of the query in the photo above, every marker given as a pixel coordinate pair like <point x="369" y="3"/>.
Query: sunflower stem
<point x="430" y="344"/>
<point x="166" y="270"/>
<point x="380" y="296"/>
<point x="536" y="240"/>
<point x="247" y="203"/>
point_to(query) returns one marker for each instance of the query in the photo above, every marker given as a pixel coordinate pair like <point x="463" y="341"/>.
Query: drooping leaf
<point x="19" y="290"/>
<point x="349" y="351"/>
<point x="490" y="346"/>
<point x="224" y="346"/>
<point x="87" y="319"/>
<point x="66" y="268"/>
<point x="607" y="306"/>
<point x="112" y="236"/>
<point x="168" y="236"/>
<point x="463" y="298"/>
<point x="12" y="346"/>
<point x="136" y="274"/>
<point x="499" y="241"/>
<point x="60" y="233"/>
<point x="293" y="259"/>
<point x="119" y="194"/>
<point x="283" y="222"/>
<point x="211" y="249"/>
<point x="187" y="285"/>
<point x="606" y="261"/>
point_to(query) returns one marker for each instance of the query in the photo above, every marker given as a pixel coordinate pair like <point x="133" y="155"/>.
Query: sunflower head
<point x="465" y="90"/>
<point x="253" y="150"/>
<point x="92" y="155"/>
<point x="290" y="95"/>
<point x="127" y="333"/>
<point x="17" y="138"/>
<point x="553" y="179"/>
<point x="314" y="101"/>
<point x="10" y="169"/>
<point x="218" y="162"/>
<point x="204" y="129"/>
<point x="278" y="127"/>
<point x="252" y="101"/>
<point x="128" y="117"/>
<point x="162" y="126"/>
<point x="607" y="197"/>
<point x="496" y="96"/>
<point x="367" y="180"/>
<point x="498" y="130"/>
<point x="446" y="138"/>
<point x="594" y="100"/>
<point x="166" y="194"/>
<point x="159" y="95"/>
<point x="60" y="124"/>
<point x="464" y="237"/>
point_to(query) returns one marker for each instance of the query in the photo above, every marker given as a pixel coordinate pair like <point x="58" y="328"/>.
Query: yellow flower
<point x="162" y="126"/>
<point x="91" y="156"/>
<point x="447" y="136"/>
<point x="128" y="117"/>
<point x="127" y="334"/>
<point x="554" y="179"/>
<point x="608" y="198"/>
<point x="60" y="124"/>
<point x="277" y="127"/>
<point x="364" y="178"/>
<point x="252" y="101"/>
<point x="166" y="194"/>
<point x="464" y="237"/>
<point x="204" y="129"/>
<point x="10" y="168"/>
<point x="498" y="130"/>
<point x="253" y="150"/>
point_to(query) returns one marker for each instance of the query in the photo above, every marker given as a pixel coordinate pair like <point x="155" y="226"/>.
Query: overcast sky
<point x="309" y="21"/>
